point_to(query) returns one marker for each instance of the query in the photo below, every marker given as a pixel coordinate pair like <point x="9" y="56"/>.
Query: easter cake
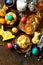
<point x="23" y="41"/>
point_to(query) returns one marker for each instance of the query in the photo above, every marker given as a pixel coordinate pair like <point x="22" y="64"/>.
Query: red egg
<point x="24" y="19"/>
<point x="9" y="45"/>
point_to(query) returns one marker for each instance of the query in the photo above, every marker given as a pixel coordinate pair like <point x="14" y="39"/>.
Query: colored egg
<point x="15" y="46"/>
<point x="2" y="21"/>
<point x="9" y="45"/>
<point x="14" y="30"/>
<point x="34" y="51"/>
<point x="10" y="17"/>
<point x="8" y="2"/>
<point x="23" y="19"/>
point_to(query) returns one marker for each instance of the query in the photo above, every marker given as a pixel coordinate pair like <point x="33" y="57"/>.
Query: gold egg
<point x="14" y="30"/>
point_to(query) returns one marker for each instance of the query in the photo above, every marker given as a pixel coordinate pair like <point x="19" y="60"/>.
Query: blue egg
<point x="34" y="51"/>
<point x="15" y="46"/>
<point x="8" y="2"/>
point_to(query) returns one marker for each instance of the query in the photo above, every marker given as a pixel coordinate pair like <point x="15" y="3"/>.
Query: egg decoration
<point x="10" y="17"/>
<point x="16" y="46"/>
<point x="34" y="51"/>
<point x="23" y="19"/>
<point x="8" y="2"/>
<point x="9" y="45"/>
<point x="14" y="30"/>
<point x="2" y="21"/>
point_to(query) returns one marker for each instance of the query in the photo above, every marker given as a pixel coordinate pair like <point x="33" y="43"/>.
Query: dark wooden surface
<point x="8" y="57"/>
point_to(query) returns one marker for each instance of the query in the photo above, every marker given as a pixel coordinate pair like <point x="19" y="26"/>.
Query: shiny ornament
<point x="34" y="51"/>
<point x="14" y="30"/>
<point x="10" y="17"/>
<point x="9" y="45"/>
<point x="23" y="19"/>
<point x="8" y="2"/>
<point x="16" y="47"/>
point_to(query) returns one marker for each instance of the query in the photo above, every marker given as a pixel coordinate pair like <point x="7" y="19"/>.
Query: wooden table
<point x="8" y="57"/>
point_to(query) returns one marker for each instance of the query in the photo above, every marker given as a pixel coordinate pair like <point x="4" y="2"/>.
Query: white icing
<point x="21" y="5"/>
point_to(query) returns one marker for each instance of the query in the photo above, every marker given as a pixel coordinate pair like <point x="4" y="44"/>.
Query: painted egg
<point x="34" y="51"/>
<point x="15" y="46"/>
<point x="9" y="45"/>
<point x="10" y="17"/>
<point x="8" y="2"/>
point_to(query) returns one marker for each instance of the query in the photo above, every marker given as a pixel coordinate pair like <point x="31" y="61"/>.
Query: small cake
<point x="30" y="25"/>
<point x="10" y="18"/>
<point x="23" y="41"/>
